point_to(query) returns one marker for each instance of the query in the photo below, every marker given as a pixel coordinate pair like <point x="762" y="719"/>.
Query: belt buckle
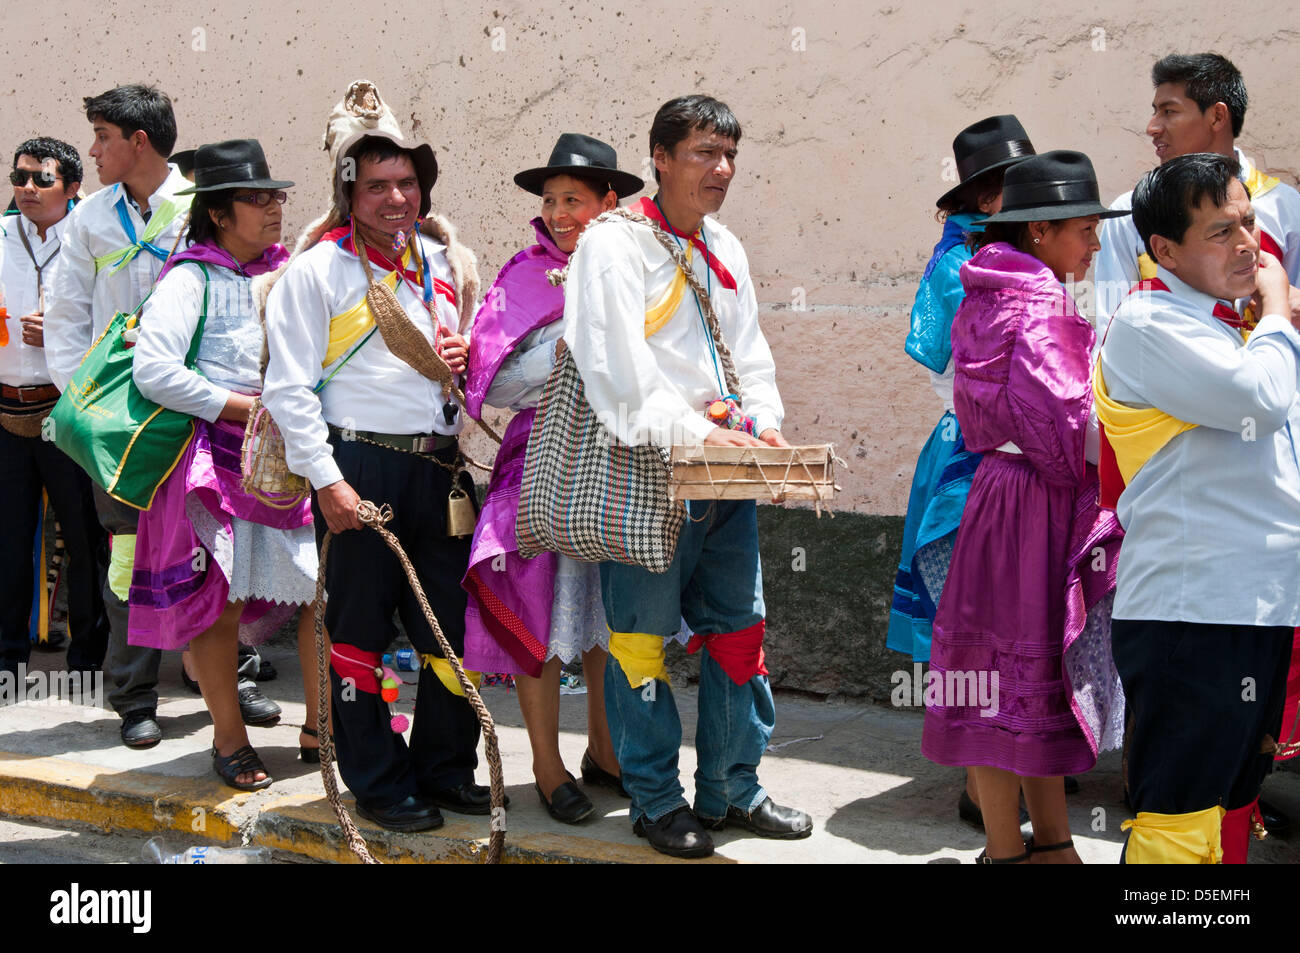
<point x="424" y="444"/>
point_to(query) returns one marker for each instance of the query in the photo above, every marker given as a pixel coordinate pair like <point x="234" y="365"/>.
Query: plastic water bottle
<point x="156" y="852"/>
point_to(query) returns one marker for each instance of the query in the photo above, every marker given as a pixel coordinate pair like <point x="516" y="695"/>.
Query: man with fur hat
<point x="360" y="422"/>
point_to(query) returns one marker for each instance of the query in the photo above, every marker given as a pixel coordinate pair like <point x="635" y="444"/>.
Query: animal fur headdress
<point x="363" y="110"/>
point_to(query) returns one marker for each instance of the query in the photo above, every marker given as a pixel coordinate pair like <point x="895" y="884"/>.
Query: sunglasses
<point x="39" y="178"/>
<point x="262" y="199"/>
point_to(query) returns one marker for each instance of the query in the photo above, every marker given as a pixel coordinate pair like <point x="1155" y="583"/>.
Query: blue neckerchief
<point x="956" y="231"/>
<point x="136" y="245"/>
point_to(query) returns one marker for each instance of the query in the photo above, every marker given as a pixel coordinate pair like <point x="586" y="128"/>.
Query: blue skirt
<point x="939" y="488"/>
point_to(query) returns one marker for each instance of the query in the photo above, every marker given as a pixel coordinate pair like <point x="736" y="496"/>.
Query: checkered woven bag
<point x="587" y="494"/>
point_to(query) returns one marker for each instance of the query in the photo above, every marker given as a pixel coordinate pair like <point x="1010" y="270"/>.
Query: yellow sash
<point x="1175" y="838"/>
<point x="1135" y="434"/>
<point x="657" y="314"/>
<point x="347" y="328"/>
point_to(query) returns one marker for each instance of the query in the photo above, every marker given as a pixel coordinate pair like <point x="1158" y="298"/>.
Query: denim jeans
<point x="715" y="583"/>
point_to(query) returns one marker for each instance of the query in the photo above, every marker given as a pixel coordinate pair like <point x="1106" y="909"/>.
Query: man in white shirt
<point x="359" y="422"/>
<point x="114" y="245"/>
<point x="46" y="178"/>
<point x="650" y="369"/>
<point x="1201" y="425"/>
<point x="1199" y="106"/>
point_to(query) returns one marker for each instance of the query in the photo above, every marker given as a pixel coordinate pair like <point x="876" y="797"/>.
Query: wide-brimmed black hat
<point x="233" y="164"/>
<point x="576" y="154"/>
<point x="183" y="160"/>
<point x="987" y="145"/>
<point x="426" y="166"/>
<point x="1050" y="187"/>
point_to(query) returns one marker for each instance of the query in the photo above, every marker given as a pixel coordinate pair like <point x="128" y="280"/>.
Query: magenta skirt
<point x="1023" y="675"/>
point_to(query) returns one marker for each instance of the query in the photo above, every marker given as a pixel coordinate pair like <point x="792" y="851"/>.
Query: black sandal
<point x="242" y="761"/>
<point x="309" y="755"/>
<point x="1045" y="848"/>
<point x="984" y="858"/>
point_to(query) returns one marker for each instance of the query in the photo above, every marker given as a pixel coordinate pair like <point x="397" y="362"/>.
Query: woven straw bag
<point x="585" y="493"/>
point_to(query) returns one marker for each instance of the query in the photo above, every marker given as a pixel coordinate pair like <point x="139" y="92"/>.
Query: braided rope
<point x="375" y="517"/>
<point x="558" y="276"/>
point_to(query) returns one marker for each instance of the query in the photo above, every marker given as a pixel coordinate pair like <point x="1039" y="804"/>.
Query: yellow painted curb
<point x="43" y="788"/>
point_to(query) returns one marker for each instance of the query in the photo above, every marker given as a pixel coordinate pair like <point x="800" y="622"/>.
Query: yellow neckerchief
<point x="156" y="225"/>
<point x="1257" y="183"/>
<point x="1175" y="838"/>
<point x="347" y="328"/>
<point x="657" y="314"/>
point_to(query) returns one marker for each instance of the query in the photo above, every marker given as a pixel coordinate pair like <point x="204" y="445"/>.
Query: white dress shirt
<point x="375" y="390"/>
<point x="656" y="389"/>
<point x="1212" y="520"/>
<point x="230" y="350"/>
<point x="22" y="365"/>
<point x="82" y="302"/>
<point x="1277" y="212"/>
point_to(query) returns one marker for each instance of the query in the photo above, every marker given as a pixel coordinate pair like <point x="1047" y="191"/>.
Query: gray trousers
<point x="131" y="671"/>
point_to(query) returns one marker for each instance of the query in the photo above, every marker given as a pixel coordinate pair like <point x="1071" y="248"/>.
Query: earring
<point x="1035" y="241"/>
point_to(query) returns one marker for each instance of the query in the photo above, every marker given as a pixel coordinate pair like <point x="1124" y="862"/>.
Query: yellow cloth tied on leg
<point x="121" y="564"/>
<point x="641" y="657"/>
<point x="1175" y="838"/>
<point x="447" y="675"/>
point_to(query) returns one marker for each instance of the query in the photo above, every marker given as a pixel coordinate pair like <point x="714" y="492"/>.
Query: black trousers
<point x="366" y="586"/>
<point x="26" y="465"/>
<point x="1202" y="699"/>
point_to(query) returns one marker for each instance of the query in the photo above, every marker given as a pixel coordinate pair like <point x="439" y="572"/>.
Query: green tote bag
<point x="126" y="443"/>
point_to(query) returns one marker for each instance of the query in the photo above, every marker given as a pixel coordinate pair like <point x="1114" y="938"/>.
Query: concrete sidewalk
<point x="858" y="770"/>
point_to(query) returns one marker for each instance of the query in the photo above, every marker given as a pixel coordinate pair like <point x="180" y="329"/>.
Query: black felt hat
<point x="233" y="164"/>
<point x="576" y="154"/>
<point x="1048" y="188"/>
<point x="989" y="144"/>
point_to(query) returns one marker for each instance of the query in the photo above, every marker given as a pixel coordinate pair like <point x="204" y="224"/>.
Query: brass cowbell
<point x="461" y="518"/>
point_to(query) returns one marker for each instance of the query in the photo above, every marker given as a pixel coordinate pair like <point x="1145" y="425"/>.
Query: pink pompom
<point x="400" y="723"/>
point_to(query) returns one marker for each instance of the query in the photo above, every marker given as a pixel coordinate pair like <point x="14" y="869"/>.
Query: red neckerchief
<point x="1221" y="311"/>
<point x="342" y="236"/>
<point x="648" y="208"/>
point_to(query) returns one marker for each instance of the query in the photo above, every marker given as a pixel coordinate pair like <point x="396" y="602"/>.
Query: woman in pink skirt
<point x="1024" y="687"/>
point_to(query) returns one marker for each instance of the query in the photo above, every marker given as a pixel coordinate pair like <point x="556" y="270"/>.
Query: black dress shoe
<point x="1275" y="820"/>
<point x="567" y="804"/>
<point x="592" y="773"/>
<point x="414" y="813"/>
<point x="677" y="834"/>
<point x="140" y="728"/>
<point x="255" y="708"/>
<point x="769" y="819"/>
<point x="466" y="799"/>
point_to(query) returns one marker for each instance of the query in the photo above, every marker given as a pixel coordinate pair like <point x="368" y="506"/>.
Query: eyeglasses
<point x="40" y="178"/>
<point x="263" y="199"/>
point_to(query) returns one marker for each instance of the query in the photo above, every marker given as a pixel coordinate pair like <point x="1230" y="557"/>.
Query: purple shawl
<point x="210" y="253"/>
<point x="519" y="301"/>
<point x="179" y="587"/>
<point x="1021" y="354"/>
<point x="508" y="618"/>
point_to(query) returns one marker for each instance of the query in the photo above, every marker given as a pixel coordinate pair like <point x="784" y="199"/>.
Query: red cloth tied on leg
<point x="356" y="664"/>
<point x="1235" y="833"/>
<point x="740" y="654"/>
